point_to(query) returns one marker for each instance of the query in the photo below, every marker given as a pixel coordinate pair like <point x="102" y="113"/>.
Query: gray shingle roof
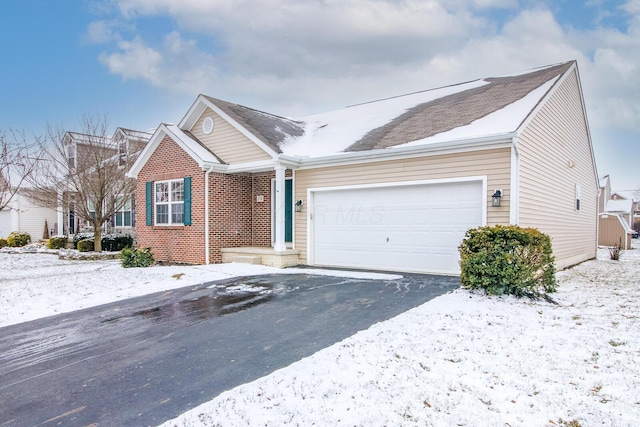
<point x="268" y="128"/>
<point x="456" y="110"/>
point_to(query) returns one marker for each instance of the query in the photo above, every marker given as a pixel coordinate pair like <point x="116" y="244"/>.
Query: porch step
<point x="247" y="259"/>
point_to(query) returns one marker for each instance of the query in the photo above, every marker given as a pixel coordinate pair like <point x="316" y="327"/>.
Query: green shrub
<point x="133" y="257"/>
<point x="3" y="242"/>
<point x="80" y="236"/>
<point x="57" y="242"/>
<point x="507" y="260"/>
<point x="115" y="243"/>
<point x="17" y="239"/>
<point x="85" y="245"/>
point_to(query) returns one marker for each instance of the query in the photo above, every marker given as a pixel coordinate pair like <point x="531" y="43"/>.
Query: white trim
<point x="207" y="244"/>
<point x="311" y="196"/>
<point x="280" y="245"/>
<point x="169" y="203"/>
<point x="201" y="155"/>
<point x="448" y="147"/>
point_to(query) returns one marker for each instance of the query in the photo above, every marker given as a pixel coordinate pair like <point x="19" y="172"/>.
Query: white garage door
<point x="400" y="227"/>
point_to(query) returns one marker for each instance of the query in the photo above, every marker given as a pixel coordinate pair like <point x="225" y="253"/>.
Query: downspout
<point x="207" y="257"/>
<point x="514" y="210"/>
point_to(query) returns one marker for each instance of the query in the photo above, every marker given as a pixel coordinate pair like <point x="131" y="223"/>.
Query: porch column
<point x="60" y="215"/>
<point x="279" y="205"/>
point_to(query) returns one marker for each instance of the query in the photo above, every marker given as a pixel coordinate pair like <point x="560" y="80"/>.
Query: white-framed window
<point x="72" y="156"/>
<point x="169" y="202"/>
<point x="123" y="216"/>
<point x="577" y="197"/>
<point x="122" y="152"/>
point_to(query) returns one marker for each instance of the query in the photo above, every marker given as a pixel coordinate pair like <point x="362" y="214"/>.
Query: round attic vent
<point x="207" y="125"/>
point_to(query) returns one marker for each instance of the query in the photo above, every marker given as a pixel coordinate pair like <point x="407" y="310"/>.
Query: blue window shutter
<point x="187" y="200"/>
<point x="149" y="203"/>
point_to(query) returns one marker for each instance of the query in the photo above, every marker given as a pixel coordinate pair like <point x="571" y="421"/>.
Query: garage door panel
<point x="411" y="228"/>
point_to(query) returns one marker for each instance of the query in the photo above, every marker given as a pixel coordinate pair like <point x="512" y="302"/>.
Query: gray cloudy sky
<point x="144" y="61"/>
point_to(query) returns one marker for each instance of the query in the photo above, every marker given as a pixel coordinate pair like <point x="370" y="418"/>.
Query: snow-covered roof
<point x="620" y="205"/>
<point x="133" y="134"/>
<point x="471" y="110"/>
<point x="628" y="194"/>
<point x="486" y="110"/>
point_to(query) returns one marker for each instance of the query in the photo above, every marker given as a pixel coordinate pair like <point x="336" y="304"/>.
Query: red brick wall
<point x="183" y="244"/>
<point x="230" y="212"/>
<point x="262" y="210"/>
<point x="236" y="217"/>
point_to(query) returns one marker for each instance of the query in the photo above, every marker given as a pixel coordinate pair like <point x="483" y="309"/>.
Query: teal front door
<point x="288" y="209"/>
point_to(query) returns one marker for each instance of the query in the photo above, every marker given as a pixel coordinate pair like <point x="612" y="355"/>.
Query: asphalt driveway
<point x="148" y="359"/>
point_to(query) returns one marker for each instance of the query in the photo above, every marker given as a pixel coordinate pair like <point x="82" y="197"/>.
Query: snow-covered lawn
<point x="462" y="359"/>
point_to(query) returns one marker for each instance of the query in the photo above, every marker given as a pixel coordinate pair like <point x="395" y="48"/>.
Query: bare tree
<point x="84" y="172"/>
<point x="18" y="160"/>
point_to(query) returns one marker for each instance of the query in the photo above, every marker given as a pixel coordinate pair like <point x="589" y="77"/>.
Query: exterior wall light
<point x="299" y="205"/>
<point x="497" y="195"/>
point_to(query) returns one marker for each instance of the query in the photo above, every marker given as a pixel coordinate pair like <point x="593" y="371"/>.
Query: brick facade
<point x="237" y="218"/>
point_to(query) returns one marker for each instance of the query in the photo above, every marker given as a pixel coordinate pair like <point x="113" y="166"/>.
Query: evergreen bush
<point x="115" y="242"/>
<point x="3" y="242"/>
<point x="80" y="236"/>
<point x="17" y="239"/>
<point x="134" y="257"/>
<point x="507" y="260"/>
<point x="57" y="242"/>
<point x="85" y="245"/>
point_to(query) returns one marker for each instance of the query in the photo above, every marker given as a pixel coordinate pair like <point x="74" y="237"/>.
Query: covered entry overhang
<point x="280" y="254"/>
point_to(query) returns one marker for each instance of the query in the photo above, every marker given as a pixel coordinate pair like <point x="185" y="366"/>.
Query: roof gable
<point x="184" y="139"/>
<point x="266" y="130"/>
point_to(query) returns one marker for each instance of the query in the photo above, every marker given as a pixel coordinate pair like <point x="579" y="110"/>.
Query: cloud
<point x="100" y="32"/>
<point x="177" y="65"/>
<point x="135" y="60"/>
<point x="293" y="57"/>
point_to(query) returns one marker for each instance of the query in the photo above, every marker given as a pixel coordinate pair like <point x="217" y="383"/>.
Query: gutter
<point x="473" y="144"/>
<point x="207" y="257"/>
<point x="514" y="210"/>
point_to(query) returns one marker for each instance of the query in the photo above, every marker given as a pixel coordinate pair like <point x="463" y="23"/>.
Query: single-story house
<point x="391" y="184"/>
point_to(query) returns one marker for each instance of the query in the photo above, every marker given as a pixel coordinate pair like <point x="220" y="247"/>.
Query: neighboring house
<point x="389" y="185"/>
<point x="616" y="217"/>
<point x="633" y="195"/>
<point x="23" y="216"/>
<point x="604" y="194"/>
<point x="126" y="144"/>
<point x="20" y="214"/>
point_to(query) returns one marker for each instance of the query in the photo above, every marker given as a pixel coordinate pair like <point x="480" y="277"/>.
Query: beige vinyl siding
<point x="555" y="155"/>
<point x="494" y="164"/>
<point x="227" y="142"/>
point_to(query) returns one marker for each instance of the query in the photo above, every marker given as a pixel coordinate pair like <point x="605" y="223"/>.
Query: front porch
<point x="261" y="255"/>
